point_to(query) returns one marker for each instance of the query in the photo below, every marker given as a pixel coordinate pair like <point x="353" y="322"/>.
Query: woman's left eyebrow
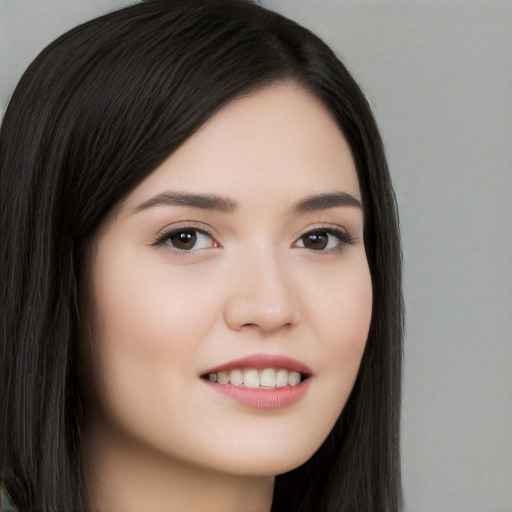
<point x="326" y="201"/>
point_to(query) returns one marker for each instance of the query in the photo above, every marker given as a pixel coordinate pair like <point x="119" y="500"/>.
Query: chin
<point x="256" y="461"/>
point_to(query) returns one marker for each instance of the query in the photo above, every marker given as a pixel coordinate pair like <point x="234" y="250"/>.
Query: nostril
<point x="248" y="325"/>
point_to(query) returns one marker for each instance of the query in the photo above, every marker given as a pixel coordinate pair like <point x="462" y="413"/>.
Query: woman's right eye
<point x="187" y="239"/>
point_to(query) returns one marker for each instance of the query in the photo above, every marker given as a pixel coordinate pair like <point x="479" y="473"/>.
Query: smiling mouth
<point x="266" y="378"/>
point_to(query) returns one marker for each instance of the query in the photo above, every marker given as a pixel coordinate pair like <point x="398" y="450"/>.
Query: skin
<point x="157" y="317"/>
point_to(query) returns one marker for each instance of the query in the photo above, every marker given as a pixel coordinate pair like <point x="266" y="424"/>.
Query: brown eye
<point x="316" y="240"/>
<point x="187" y="239"/>
<point x="324" y="239"/>
<point x="184" y="240"/>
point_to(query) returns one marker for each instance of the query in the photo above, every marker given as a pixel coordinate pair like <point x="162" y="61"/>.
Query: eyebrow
<point x="226" y="205"/>
<point x="203" y="201"/>
<point x="326" y="201"/>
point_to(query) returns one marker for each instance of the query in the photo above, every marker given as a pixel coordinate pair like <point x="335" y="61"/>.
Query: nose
<point x="263" y="296"/>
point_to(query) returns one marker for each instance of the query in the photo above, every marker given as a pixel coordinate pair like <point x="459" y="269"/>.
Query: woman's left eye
<point x="187" y="239"/>
<point x="324" y="239"/>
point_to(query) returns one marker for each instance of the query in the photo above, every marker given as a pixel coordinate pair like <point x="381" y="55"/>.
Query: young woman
<point x="201" y="302"/>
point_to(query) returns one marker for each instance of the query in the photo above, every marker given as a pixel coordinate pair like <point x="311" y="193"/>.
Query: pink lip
<point x="270" y="398"/>
<point x="262" y="361"/>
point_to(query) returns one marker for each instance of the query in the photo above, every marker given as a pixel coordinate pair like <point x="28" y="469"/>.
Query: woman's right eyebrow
<point x="227" y="205"/>
<point x="203" y="201"/>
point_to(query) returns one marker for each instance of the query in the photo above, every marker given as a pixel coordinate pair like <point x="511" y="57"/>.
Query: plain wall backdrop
<point x="439" y="77"/>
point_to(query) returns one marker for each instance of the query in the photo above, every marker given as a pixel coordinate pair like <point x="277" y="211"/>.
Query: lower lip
<point x="261" y="398"/>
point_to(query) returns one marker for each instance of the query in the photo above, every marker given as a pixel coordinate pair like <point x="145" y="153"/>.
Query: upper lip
<point x="262" y="361"/>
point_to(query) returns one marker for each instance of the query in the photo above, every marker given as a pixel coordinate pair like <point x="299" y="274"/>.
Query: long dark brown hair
<point x="96" y="112"/>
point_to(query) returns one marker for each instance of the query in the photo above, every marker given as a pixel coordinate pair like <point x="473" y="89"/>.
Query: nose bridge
<point x="264" y="294"/>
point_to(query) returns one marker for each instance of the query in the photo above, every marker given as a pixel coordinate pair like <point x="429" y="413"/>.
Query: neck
<point x="124" y="476"/>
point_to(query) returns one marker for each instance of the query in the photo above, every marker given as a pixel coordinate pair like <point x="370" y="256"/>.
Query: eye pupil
<point x="185" y="239"/>
<point x="316" y="240"/>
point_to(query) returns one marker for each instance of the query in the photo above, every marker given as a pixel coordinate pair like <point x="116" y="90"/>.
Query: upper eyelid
<point x="164" y="233"/>
<point x="319" y="226"/>
<point x="182" y="225"/>
<point x="346" y="237"/>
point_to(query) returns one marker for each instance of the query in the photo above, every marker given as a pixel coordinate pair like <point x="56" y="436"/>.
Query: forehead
<point x="275" y="144"/>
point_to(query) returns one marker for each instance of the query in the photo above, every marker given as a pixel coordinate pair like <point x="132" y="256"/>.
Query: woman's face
<point x="240" y="258"/>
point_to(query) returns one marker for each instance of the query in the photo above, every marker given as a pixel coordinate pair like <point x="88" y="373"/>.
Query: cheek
<point x="352" y="316"/>
<point x="344" y="319"/>
<point x="146" y="337"/>
<point x="149" y="312"/>
<point x="342" y="310"/>
<point x="149" y="324"/>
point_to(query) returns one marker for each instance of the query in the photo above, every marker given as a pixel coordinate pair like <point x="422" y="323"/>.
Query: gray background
<point x="439" y="77"/>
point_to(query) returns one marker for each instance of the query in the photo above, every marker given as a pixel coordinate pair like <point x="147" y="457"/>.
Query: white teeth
<point x="236" y="378"/>
<point x="251" y="378"/>
<point x="293" y="378"/>
<point x="222" y="378"/>
<point x="268" y="378"/>
<point x="282" y="378"/>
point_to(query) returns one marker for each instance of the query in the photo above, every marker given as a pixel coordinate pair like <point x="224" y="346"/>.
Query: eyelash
<point x="162" y="239"/>
<point x="343" y="237"/>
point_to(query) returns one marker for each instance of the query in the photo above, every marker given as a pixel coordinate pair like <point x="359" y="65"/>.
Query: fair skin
<point x="273" y="269"/>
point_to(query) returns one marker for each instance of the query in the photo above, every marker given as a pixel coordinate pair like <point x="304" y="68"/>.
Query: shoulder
<point x="6" y="503"/>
